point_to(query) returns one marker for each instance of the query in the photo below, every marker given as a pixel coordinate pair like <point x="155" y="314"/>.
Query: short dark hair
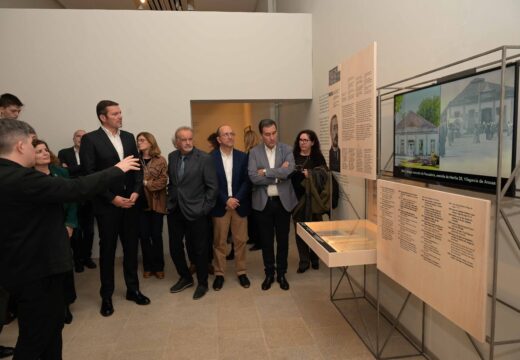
<point x="266" y="123"/>
<point x="8" y="100"/>
<point x="101" y="107"/>
<point x="11" y="131"/>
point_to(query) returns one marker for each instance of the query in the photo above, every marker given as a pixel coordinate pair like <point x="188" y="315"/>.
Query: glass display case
<point x="341" y="243"/>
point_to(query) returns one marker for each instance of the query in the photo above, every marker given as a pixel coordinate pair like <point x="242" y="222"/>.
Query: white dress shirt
<point x="116" y="141"/>
<point x="227" y="161"/>
<point x="76" y="153"/>
<point x="272" y="190"/>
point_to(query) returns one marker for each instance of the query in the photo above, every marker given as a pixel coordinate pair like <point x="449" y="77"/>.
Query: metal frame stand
<point x="386" y="92"/>
<point x="393" y="321"/>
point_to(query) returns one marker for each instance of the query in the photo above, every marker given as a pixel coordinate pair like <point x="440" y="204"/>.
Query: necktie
<point x="181" y="167"/>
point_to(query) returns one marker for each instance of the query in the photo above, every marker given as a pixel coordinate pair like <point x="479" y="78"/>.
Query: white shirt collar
<point x="109" y="133"/>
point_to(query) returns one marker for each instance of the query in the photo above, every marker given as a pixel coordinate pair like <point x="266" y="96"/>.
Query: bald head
<point x="76" y="138"/>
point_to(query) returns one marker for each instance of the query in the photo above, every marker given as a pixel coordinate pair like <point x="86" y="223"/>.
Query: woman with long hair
<point x="48" y="163"/>
<point x="307" y="156"/>
<point x="152" y="204"/>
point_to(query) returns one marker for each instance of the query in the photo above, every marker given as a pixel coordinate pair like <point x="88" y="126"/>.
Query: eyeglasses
<point x="304" y="140"/>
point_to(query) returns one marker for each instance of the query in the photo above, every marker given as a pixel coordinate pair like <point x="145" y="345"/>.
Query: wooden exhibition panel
<point x="341" y="243"/>
<point x="435" y="244"/>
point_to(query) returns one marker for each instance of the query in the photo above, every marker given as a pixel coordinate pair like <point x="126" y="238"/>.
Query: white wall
<point x="414" y="36"/>
<point x="62" y="62"/>
<point x="153" y="63"/>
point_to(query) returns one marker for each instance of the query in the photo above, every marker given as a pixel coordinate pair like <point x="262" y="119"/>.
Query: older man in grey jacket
<point x="270" y="164"/>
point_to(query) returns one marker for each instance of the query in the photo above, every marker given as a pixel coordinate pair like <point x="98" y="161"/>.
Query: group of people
<point x="128" y="186"/>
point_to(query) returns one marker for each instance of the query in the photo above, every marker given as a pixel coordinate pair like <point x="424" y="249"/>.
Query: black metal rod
<point x="510" y="227"/>
<point x="480" y="355"/>
<point x="507" y="342"/>
<point x="396" y="323"/>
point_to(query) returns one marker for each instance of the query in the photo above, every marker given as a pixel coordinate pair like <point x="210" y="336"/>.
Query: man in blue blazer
<point x="232" y="207"/>
<point x="270" y="164"/>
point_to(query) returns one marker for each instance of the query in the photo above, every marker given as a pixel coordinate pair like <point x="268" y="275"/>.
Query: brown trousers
<point x="221" y="226"/>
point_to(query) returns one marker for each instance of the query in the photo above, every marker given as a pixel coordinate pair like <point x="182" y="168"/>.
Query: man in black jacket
<point x="34" y="246"/>
<point x="192" y="193"/>
<point x="114" y="209"/>
<point x="83" y="236"/>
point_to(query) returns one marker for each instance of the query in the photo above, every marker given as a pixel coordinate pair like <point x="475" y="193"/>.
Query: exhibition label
<point x="436" y="245"/>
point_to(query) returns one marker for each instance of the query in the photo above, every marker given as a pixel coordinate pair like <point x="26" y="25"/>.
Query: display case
<point x="341" y="243"/>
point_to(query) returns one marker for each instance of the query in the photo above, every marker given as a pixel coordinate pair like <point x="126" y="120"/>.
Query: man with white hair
<point x="192" y="193"/>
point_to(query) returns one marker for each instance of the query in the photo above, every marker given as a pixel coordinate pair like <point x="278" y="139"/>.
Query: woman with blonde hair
<point x="152" y="204"/>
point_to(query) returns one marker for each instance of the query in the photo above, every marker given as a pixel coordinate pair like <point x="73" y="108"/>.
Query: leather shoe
<point x="68" y="315"/>
<point x="284" y="285"/>
<point x="255" y="247"/>
<point x="137" y="297"/>
<point x="316" y="266"/>
<point x="159" y="274"/>
<point x="302" y="269"/>
<point x="78" y="267"/>
<point x="266" y="285"/>
<point x="181" y="285"/>
<point x="200" y="291"/>
<point x="89" y="263"/>
<point x="218" y="282"/>
<point x="147" y="274"/>
<point x="6" y="351"/>
<point x="107" y="308"/>
<point x="244" y="281"/>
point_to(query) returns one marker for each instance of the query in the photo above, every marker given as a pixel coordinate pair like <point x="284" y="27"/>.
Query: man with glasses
<point x="232" y="207"/>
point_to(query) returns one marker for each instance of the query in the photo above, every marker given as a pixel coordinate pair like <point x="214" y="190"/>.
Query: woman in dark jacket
<point x="152" y="204"/>
<point x="47" y="163"/>
<point x="307" y="156"/>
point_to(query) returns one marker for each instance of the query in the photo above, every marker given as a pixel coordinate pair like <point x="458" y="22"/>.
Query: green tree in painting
<point x="430" y="109"/>
<point x="398" y="104"/>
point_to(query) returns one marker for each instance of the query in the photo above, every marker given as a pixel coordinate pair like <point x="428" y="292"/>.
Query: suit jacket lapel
<point x="73" y="159"/>
<point x="235" y="171"/>
<point x="104" y="138"/>
<point x="265" y="160"/>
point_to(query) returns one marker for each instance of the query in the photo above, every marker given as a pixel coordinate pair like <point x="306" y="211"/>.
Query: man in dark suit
<point x="232" y="207"/>
<point x="115" y="209"/>
<point x="34" y="245"/>
<point x="192" y="193"/>
<point x="270" y="164"/>
<point x="83" y="236"/>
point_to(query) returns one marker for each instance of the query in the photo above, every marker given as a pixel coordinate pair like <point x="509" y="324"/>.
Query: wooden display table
<point x="341" y="243"/>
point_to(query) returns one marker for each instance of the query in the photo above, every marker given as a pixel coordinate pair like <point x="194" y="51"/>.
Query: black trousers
<point x="306" y="254"/>
<point x="252" y="229"/>
<point x="41" y="311"/>
<point x="150" y="235"/>
<point x="195" y="233"/>
<point x="83" y="237"/>
<point x="274" y="220"/>
<point x="113" y="223"/>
